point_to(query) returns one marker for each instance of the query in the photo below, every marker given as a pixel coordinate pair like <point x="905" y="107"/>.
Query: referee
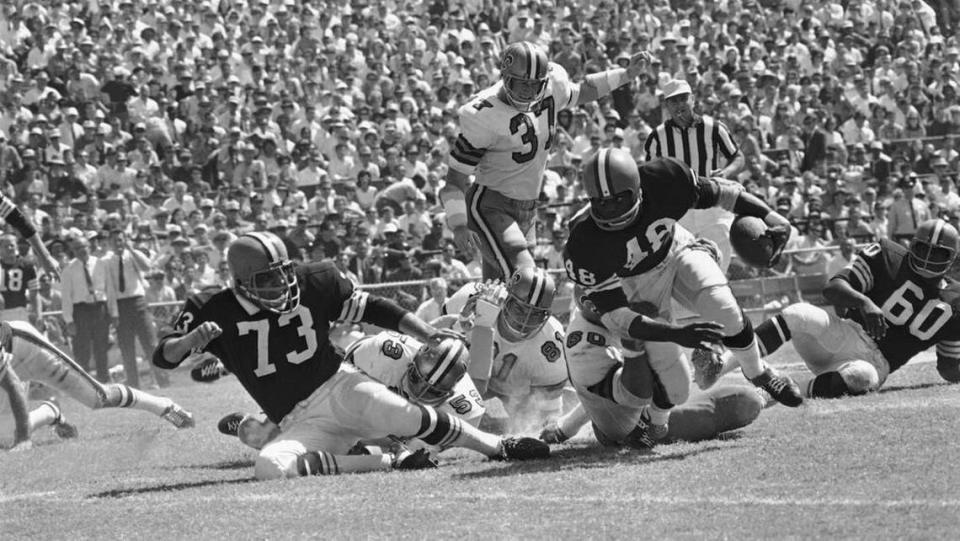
<point x="705" y="145"/>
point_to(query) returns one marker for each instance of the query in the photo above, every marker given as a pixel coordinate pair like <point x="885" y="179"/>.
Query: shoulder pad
<point x="557" y="73"/>
<point x="893" y="254"/>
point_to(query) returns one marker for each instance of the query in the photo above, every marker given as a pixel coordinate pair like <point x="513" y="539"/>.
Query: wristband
<point x="456" y="207"/>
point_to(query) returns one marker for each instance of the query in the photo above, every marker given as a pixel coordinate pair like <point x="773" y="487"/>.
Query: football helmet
<point x="527" y="307"/>
<point x="523" y="70"/>
<point x="612" y="182"/>
<point x="435" y="371"/>
<point x="934" y="248"/>
<point x="263" y="273"/>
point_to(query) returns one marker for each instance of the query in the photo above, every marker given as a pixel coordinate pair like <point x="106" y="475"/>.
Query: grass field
<point x="881" y="466"/>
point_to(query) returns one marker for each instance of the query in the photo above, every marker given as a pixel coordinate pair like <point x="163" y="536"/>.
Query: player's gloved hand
<point x="697" y="335"/>
<point x="874" y="321"/>
<point x="552" y="433"/>
<point x="203" y="334"/>
<point x="778" y="236"/>
<point x="638" y="62"/>
<point x="464" y="239"/>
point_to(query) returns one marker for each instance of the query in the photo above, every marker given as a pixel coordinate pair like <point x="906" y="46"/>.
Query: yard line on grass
<point x="513" y="498"/>
<point x="830" y="407"/>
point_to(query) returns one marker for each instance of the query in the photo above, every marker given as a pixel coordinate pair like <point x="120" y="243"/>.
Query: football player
<point x="416" y="371"/>
<point x="34" y="358"/>
<point x="19" y="284"/>
<point x="890" y="303"/>
<point x="506" y="132"/>
<point x="590" y="349"/>
<point x="271" y="331"/>
<point x="626" y="247"/>
<point x="21" y="224"/>
<point x="513" y="332"/>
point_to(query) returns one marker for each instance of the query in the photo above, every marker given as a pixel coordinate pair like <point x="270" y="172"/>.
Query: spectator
<point x="84" y="296"/>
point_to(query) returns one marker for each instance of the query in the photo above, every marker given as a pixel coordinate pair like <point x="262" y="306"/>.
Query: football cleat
<point x="61" y="427"/>
<point x="781" y="388"/>
<point x="707" y="367"/>
<point x="553" y="434"/>
<point x="178" y="417"/>
<point x="416" y="460"/>
<point x="645" y="435"/>
<point x="229" y="425"/>
<point x="517" y="448"/>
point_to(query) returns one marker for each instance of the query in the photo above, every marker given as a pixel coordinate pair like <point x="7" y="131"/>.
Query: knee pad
<point x="860" y="377"/>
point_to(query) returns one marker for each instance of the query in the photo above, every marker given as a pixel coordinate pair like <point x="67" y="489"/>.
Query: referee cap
<point x="676" y="87"/>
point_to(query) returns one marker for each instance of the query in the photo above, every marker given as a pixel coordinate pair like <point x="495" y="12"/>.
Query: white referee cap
<point x="676" y="87"/>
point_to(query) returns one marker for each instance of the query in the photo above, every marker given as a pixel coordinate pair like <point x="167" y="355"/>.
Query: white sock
<point x="45" y="415"/>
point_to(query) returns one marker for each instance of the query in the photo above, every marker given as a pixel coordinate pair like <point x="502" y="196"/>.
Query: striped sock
<point x="323" y="463"/>
<point x="119" y="395"/>
<point x="443" y="430"/>
<point x="771" y="334"/>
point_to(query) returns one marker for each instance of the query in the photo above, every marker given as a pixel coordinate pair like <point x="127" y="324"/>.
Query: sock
<point x="743" y="347"/>
<point x="321" y="463"/>
<point x="658" y="416"/>
<point x="573" y="421"/>
<point x="772" y="334"/>
<point x="123" y="396"/>
<point x="45" y="415"/>
<point x="438" y="428"/>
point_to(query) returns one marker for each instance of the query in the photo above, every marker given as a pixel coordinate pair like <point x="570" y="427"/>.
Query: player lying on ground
<point x="33" y="358"/>
<point x="889" y="304"/>
<point x="602" y="370"/>
<point x="25" y="423"/>
<point x="271" y="330"/>
<point x="514" y="336"/>
<point x="506" y="131"/>
<point x="416" y="371"/>
<point x="626" y="248"/>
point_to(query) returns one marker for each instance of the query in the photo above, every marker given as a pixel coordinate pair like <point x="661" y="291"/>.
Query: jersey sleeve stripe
<point x="6" y="207"/>
<point x="861" y="281"/>
<point x="354" y="307"/>
<point x="467" y="148"/>
<point x="865" y="270"/>
<point x="949" y="349"/>
<point x="33" y="284"/>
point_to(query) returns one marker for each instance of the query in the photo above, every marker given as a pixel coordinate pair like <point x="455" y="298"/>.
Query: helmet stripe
<point x="444" y="365"/>
<point x="268" y="245"/>
<point x="531" y="60"/>
<point x="536" y="292"/>
<point x="603" y="172"/>
<point x="937" y="230"/>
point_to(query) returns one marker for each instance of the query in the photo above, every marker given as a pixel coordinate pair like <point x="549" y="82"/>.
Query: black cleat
<point x="781" y="388"/>
<point x="645" y="435"/>
<point x="417" y="460"/>
<point x="522" y="449"/>
<point x="230" y="424"/>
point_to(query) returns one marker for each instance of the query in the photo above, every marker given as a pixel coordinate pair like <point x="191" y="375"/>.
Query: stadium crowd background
<point x="329" y="122"/>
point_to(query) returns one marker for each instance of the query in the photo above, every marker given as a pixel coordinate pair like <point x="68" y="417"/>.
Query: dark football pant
<point x="505" y="231"/>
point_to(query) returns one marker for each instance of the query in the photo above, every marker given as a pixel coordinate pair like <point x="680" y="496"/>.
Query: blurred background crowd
<point x="184" y="123"/>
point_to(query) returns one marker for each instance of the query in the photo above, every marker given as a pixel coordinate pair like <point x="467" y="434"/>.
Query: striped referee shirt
<point x="699" y="146"/>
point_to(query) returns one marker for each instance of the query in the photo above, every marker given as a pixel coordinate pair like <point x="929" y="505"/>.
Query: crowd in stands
<point x="329" y="122"/>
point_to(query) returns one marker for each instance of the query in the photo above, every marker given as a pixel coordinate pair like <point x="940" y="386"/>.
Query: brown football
<point x="749" y="242"/>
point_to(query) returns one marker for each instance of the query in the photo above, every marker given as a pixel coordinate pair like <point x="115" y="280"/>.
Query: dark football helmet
<point x="263" y="273"/>
<point x="934" y="248"/>
<point x="612" y="182"/>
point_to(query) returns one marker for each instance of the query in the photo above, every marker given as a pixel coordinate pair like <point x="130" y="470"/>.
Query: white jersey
<point x="538" y="362"/>
<point x="505" y="148"/>
<point x="386" y="356"/>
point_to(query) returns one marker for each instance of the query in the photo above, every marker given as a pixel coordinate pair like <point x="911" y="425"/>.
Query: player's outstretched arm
<point x="454" y="198"/>
<point x="598" y="85"/>
<point x="843" y="296"/>
<point x="10" y="383"/>
<point x="174" y="349"/>
<point x="630" y="324"/>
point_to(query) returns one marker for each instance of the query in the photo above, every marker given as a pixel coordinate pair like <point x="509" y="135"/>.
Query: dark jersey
<point x="919" y="313"/>
<point x="279" y="359"/>
<point x="596" y="258"/>
<point x="15" y="281"/>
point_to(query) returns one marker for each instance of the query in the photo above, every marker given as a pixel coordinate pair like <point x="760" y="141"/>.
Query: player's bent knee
<point x="270" y="466"/>
<point x="860" y="377"/>
<point x="741" y="339"/>
<point x="720" y="306"/>
<point x="804" y="318"/>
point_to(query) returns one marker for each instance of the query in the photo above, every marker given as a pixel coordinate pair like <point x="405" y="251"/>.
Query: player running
<point x="421" y="373"/>
<point x="594" y="351"/>
<point x="506" y="131"/>
<point x="271" y="330"/>
<point x="891" y="304"/>
<point x="33" y="358"/>
<point x="626" y="248"/>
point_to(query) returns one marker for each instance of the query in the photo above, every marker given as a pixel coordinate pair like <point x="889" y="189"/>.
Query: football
<point x="749" y="242"/>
